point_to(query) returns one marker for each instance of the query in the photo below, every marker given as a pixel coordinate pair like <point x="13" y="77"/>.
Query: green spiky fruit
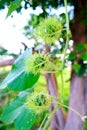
<point x="39" y="101"/>
<point x="37" y="63"/>
<point x="49" y="30"/>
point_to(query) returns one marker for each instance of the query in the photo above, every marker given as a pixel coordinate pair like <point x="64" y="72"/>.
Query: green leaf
<point x="18" y="79"/>
<point x="82" y="70"/>
<point x="25" y="120"/>
<point x="19" y="113"/>
<point x="76" y="67"/>
<point x="80" y="47"/>
<point x="72" y="56"/>
<point x="12" y="111"/>
<point x="85" y="126"/>
<point x="84" y="56"/>
<point x="13" y="6"/>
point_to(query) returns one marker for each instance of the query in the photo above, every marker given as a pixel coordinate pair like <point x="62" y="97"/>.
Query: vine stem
<point x="63" y="105"/>
<point x="70" y="108"/>
<point x="49" y="118"/>
<point x="43" y="122"/>
<point x="67" y="32"/>
<point x="62" y="84"/>
<point x="83" y="118"/>
<point x="66" y="46"/>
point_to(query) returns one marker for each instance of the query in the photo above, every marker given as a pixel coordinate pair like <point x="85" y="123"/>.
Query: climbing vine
<point x="29" y="66"/>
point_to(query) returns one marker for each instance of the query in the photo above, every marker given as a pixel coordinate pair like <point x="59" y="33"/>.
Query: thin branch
<point x="7" y="62"/>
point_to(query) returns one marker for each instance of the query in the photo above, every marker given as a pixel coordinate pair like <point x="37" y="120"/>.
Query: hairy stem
<point x="50" y="117"/>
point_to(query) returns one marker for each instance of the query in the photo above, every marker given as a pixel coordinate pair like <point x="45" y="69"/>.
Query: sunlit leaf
<point x="13" y="6"/>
